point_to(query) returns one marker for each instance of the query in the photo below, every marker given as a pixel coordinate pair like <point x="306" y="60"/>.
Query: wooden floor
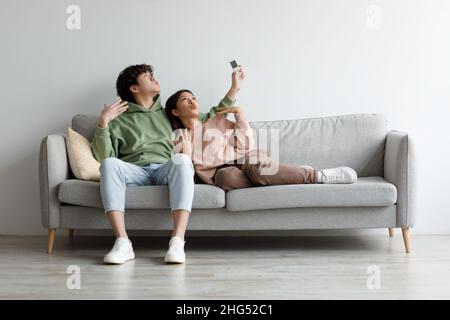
<point x="230" y="268"/>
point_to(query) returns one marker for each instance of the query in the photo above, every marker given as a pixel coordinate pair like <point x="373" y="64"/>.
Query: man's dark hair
<point x="171" y="104"/>
<point x="127" y="78"/>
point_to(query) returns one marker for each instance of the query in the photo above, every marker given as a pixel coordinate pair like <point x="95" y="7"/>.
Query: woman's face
<point x="187" y="106"/>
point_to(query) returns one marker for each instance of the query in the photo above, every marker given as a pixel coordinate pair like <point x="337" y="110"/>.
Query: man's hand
<point x="111" y="112"/>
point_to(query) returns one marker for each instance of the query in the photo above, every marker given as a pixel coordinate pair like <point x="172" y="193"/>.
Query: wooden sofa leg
<point x="406" y="239"/>
<point x="71" y="234"/>
<point x="391" y="232"/>
<point x="51" y="240"/>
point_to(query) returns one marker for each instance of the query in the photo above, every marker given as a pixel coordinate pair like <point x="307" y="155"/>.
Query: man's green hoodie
<point x="141" y="136"/>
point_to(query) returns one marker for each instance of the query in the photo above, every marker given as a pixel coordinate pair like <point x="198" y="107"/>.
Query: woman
<point x="222" y="152"/>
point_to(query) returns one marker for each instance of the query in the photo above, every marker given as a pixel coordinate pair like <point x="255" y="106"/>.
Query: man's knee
<point x="109" y="165"/>
<point x="182" y="162"/>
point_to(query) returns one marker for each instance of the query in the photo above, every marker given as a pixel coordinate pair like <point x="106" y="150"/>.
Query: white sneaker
<point x="120" y="253"/>
<point x="337" y="175"/>
<point x="175" y="254"/>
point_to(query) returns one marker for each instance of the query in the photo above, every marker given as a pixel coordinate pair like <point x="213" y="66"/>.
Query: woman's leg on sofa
<point x="285" y="174"/>
<point x="117" y="221"/>
<point x="262" y="170"/>
<point x="50" y="240"/>
<point x="229" y="178"/>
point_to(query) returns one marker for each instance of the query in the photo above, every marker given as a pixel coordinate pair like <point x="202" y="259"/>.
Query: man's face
<point x="147" y="84"/>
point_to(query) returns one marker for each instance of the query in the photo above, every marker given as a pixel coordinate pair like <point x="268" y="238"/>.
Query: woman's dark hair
<point x="127" y="78"/>
<point x="171" y="104"/>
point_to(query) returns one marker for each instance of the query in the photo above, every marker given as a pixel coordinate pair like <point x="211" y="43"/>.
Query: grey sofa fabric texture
<point x="382" y="197"/>
<point x="87" y="193"/>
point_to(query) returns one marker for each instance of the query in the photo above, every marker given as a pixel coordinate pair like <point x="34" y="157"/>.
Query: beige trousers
<point x="250" y="172"/>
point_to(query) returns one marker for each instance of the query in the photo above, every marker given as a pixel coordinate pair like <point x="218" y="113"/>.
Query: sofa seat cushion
<point x="366" y="192"/>
<point x="87" y="194"/>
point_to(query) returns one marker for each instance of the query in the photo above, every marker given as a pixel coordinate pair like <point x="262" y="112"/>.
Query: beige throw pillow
<point x="82" y="162"/>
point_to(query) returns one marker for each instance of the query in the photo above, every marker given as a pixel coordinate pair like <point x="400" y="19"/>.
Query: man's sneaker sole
<point x="117" y="261"/>
<point x="172" y="259"/>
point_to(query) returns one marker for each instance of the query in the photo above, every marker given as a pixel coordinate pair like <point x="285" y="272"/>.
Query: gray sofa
<point x="382" y="197"/>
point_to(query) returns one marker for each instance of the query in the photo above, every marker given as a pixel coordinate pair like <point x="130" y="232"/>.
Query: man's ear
<point x="134" y="89"/>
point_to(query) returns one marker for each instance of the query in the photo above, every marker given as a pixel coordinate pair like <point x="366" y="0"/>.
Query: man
<point x="133" y="142"/>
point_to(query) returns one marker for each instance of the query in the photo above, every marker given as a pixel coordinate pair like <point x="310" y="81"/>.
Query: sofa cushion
<point x="87" y="193"/>
<point x="367" y="191"/>
<point x="82" y="162"/>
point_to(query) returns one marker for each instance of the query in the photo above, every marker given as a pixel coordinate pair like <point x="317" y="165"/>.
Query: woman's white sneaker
<point x="175" y="254"/>
<point x="120" y="253"/>
<point x="337" y="175"/>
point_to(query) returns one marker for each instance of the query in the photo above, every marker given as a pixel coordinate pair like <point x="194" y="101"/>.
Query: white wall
<point x="304" y="58"/>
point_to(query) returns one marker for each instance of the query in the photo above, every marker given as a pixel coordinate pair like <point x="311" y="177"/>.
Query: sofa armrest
<point x="399" y="169"/>
<point x="53" y="169"/>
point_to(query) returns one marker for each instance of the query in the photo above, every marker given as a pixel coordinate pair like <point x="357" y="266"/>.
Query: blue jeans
<point x="116" y="175"/>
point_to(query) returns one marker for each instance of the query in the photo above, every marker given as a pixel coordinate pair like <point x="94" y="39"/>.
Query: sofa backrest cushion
<point x="85" y="124"/>
<point x="355" y="140"/>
